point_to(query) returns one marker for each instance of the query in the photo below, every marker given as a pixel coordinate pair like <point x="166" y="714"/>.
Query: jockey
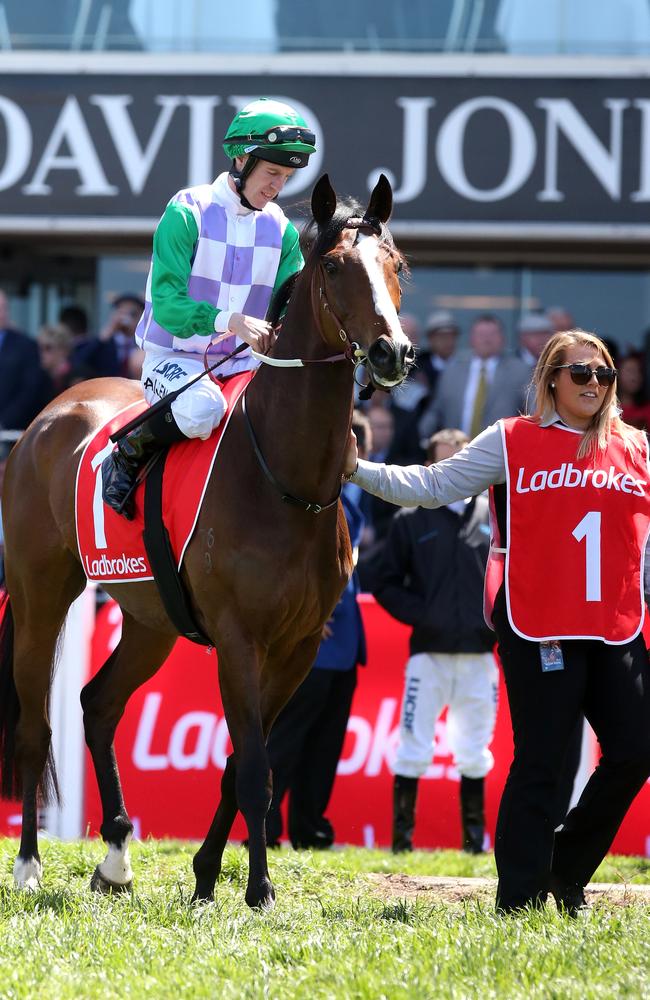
<point x="219" y="252"/>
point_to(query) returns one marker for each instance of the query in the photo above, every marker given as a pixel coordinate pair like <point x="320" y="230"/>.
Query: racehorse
<point x="264" y="574"/>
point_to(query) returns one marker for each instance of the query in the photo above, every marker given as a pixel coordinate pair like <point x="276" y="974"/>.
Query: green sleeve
<point x="173" y="248"/>
<point x="291" y="259"/>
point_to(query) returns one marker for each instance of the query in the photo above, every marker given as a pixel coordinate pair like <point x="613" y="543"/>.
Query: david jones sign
<point x="455" y="149"/>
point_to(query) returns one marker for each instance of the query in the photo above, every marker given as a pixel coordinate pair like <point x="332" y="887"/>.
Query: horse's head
<point x="355" y="274"/>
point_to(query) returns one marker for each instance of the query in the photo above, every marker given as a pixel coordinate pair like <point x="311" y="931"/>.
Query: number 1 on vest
<point x="589" y="529"/>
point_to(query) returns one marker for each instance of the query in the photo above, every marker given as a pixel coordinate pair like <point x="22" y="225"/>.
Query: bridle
<point x="353" y="353"/>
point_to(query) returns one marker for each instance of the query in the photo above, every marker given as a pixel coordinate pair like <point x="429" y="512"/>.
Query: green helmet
<point x="270" y="131"/>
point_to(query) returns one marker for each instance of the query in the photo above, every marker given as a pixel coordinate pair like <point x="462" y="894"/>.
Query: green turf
<point x="330" y="935"/>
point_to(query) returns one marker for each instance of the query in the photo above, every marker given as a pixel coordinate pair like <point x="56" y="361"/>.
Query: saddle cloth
<point x="112" y="548"/>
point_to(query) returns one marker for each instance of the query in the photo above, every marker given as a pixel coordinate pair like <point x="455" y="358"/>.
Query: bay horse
<point x="264" y="575"/>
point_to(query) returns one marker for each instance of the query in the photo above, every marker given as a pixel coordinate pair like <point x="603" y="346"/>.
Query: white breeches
<point x="467" y="684"/>
<point x="198" y="410"/>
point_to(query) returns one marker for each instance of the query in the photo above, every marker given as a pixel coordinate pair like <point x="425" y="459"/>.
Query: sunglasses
<point x="582" y="374"/>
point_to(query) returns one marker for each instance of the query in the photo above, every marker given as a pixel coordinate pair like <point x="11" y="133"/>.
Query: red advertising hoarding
<point x="173" y="742"/>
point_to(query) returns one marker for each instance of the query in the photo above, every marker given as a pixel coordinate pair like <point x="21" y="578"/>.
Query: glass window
<point x="546" y="27"/>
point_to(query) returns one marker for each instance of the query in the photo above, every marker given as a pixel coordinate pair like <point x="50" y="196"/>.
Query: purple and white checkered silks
<point x="234" y="268"/>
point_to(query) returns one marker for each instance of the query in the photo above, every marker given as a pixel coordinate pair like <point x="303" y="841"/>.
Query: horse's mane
<point x="314" y="243"/>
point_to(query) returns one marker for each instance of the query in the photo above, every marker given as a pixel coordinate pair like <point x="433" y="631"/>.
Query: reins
<point x="312" y="508"/>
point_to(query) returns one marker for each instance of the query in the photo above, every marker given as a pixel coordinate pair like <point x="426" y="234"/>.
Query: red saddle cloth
<point x="111" y="548"/>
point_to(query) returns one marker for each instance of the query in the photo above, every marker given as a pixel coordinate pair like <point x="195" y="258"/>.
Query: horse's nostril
<point x="382" y="355"/>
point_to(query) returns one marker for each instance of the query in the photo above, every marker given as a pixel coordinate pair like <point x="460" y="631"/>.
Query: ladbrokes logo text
<point x="123" y="565"/>
<point x="569" y="477"/>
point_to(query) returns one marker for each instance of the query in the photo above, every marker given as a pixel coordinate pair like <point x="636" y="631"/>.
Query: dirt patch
<point x="446" y="889"/>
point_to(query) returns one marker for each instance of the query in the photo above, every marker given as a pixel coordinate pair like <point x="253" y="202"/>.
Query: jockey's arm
<point x="173" y="249"/>
<point x="291" y="259"/>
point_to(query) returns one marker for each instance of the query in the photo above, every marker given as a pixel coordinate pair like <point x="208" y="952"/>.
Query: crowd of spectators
<point x="34" y="369"/>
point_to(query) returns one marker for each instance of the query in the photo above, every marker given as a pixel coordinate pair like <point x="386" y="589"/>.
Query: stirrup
<point x="141" y="475"/>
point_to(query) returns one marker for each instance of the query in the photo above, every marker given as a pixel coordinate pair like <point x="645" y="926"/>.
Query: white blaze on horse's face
<point x="368" y="248"/>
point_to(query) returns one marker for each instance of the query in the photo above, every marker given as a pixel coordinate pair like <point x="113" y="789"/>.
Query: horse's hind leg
<point x="39" y="606"/>
<point x="138" y="655"/>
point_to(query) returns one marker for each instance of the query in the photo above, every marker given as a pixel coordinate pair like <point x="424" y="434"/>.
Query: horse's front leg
<point x="207" y="860"/>
<point x="240" y="666"/>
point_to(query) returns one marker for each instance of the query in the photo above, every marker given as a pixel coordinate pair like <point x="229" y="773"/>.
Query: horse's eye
<point x="330" y="266"/>
<point x="400" y="266"/>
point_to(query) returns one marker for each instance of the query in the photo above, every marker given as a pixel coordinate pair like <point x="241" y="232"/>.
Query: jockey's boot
<point x="405" y="791"/>
<point x="121" y="467"/>
<point x="472" y="814"/>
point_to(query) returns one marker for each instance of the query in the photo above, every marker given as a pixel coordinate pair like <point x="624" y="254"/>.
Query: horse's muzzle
<point x="390" y="361"/>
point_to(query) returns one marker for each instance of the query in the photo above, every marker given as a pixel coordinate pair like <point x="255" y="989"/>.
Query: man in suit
<point x="478" y="387"/>
<point x="24" y="383"/>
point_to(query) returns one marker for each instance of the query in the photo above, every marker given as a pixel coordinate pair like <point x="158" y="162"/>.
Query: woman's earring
<point x="552" y="385"/>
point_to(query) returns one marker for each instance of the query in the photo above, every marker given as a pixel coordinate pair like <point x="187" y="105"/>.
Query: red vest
<point x="576" y="534"/>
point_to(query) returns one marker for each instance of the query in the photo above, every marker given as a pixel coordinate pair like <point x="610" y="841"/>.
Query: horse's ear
<point x="323" y="201"/>
<point x="380" y="205"/>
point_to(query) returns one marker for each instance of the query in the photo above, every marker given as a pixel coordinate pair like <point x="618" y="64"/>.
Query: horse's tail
<point x="10" y="783"/>
<point x="11" y="786"/>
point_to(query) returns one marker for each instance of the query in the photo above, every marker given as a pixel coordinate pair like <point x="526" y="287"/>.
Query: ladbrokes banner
<point x="459" y="150"/>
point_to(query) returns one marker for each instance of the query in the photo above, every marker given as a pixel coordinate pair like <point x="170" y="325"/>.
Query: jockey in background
<point x="219" y="252"/>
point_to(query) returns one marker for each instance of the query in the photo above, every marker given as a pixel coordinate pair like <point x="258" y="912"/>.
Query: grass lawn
<point x="330" y="935"/>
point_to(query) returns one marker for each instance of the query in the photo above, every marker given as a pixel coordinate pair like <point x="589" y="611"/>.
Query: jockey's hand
<point x="257" y="333"/>
<point x="351" y="455"/>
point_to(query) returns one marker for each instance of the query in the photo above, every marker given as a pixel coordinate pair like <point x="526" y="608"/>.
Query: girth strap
<point x="161" y="557"/>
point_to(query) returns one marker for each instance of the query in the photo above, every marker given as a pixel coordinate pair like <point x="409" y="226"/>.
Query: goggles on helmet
<point x="277" y="135"/>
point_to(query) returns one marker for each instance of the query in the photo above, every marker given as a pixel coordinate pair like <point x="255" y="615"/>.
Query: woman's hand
<point x="351" y="455"/>
<point x="257" y="333"/>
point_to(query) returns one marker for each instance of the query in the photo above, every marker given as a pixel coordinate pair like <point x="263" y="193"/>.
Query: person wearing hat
<point x="220" y="250"/>
<point x="534" y="330"/>
<point x="441" y="337"/>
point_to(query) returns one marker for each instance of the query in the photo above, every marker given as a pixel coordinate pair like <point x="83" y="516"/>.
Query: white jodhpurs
<point x="198" y="410"/>
<point x="467" y="684"/>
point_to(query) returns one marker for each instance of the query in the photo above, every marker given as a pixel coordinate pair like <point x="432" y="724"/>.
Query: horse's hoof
<point x="204" y="892"/>
<point x="99" y="883"/>
<point x="27" y="875"/>
<point x="262" y="897"/>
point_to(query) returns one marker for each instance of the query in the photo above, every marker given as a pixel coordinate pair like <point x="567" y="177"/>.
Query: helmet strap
<point x="240" y="177"/>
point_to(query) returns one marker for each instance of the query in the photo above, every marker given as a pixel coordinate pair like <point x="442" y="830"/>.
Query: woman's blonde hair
<point x="56" y="334"/>
<point x="607" y="419"/>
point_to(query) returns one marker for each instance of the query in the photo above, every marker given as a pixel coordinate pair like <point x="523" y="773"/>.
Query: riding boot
<point x="472" y="814"/>
<point x="405" y="792"/>
<point x="121" y="467"/>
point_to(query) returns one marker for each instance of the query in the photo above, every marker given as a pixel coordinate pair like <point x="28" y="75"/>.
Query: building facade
<point x="520" y="181"/>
